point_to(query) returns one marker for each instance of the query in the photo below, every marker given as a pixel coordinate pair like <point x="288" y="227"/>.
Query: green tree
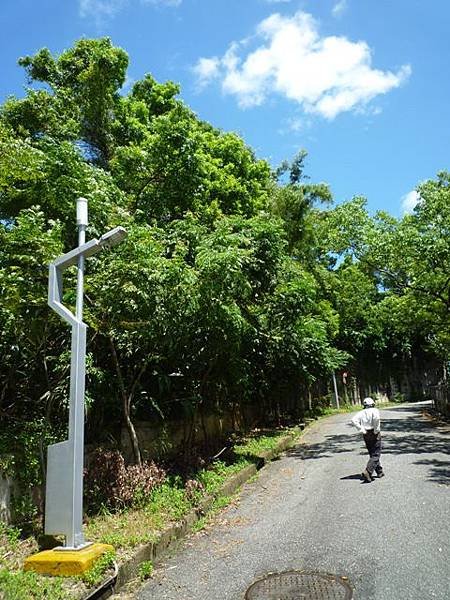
<point x="85" y="81"/>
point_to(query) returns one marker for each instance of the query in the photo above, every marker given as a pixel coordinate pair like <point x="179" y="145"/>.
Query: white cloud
<point x="409" y="201"/>
<point x="339" y="8"/>
<point x="101" y="9"/>
<point x="324" y="75"/>
<point x="206" y="70"/>
<point x="106" y="9"/>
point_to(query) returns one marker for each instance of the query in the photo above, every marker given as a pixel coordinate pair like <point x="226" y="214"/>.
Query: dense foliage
<point x="236" y="285"/>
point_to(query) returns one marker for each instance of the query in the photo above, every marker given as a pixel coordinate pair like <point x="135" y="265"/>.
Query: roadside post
<point x="65" y="460"/>
<point x="336" y="395"/>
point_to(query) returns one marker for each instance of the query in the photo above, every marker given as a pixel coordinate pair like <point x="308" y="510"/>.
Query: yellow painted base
<point x="65" y="563"/>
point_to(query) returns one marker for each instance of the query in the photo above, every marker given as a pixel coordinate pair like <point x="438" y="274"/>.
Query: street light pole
<point x="64" y="486"/>
<point x="82" y="223"/>
<point x="336" y="395"/>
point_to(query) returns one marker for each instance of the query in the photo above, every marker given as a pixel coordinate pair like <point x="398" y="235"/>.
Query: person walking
<point x="368" y="421"/>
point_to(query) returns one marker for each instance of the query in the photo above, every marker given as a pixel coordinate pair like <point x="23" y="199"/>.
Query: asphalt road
<point x="309" y="511"/>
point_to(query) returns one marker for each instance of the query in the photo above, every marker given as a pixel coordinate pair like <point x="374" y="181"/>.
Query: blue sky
<point x="362" y="85"/>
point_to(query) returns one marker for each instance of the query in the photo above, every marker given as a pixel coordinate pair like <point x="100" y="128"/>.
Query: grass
<point x="168" y="503"/>
<point x="213" y="478"/>
<point x="96" y="574"/>
<point x="14" y="549"/>
<point x="257" y="446"/>
<point x="20" y="585"/>
<point x="9" y="535"/>
<point x="124" y="530"/>
<point x="17" y="584"/>
<point x="200" y="524"/>
<point x="133" y="527"/>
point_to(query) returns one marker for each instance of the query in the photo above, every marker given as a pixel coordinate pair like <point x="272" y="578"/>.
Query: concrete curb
<point x="174" y="533"/>
<point x="169" y="537"/>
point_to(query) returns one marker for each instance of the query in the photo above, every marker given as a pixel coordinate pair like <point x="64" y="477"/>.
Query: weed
<point x="97" y="572"/>
<point x="219" y="503"/>
<point x="194" y="491"/>
<point x="124" y="530"/>
<point x="145" y="570"/>
<point x="256" y="446"/>
<point x="200" y="524"/>
<point x="253" y="478"/>
<point x="9" y="535"/>
<point x="214" y="477"/>
<point x="20" y="585"/>
<point x="168" y="501"/>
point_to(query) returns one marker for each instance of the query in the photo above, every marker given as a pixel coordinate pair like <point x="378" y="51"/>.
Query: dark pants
<point x="373" y="445"/>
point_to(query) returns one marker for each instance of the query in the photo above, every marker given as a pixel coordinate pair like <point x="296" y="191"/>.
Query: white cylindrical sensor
<point x="82" y="211"/>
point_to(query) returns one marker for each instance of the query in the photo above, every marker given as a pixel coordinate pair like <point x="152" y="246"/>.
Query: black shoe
<point x="380" y="474"/>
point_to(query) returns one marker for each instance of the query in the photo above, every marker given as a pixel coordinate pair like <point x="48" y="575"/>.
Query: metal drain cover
<point x="300" y="585"/>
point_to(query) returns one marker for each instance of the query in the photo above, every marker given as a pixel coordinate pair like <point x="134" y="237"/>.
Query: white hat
<point x="368" y="402"/>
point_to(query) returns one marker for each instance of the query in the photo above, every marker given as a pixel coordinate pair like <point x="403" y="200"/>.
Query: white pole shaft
<point x="76" y="538"/>
<point x="80" y="274"/>
<point x="82" y="222"/>
<point x="335" y="390"/>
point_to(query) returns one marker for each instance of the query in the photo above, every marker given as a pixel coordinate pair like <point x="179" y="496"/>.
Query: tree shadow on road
<point x="333" y="444"/>
<point x="410" y="425"/>
<point x="413" y="436"/>
<point x="439" y="470"/>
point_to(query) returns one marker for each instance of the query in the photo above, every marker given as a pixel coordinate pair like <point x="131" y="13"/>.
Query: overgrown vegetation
<point x="125" y="528"/>
<point x="111" y="484"/>
<point x="167" y="502"/>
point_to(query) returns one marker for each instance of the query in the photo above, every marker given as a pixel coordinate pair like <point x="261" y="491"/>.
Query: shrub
<point x="193" y="490"/>
<point x="110" y="483"/>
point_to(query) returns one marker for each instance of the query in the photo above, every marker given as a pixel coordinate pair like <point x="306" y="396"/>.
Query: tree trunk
<point x="126" y="404"/>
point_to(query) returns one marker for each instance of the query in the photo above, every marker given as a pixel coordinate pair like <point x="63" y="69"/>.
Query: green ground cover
<point x="125" y="529"/>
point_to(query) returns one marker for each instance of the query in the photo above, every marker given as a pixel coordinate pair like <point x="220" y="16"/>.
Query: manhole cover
<point x="300" y="585"/>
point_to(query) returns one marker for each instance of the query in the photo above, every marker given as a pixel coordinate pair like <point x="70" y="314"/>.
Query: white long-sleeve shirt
<point x="368" y="418"/>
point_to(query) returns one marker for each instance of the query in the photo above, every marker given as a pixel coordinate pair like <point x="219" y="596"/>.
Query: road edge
<point x="172" y="535"/>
